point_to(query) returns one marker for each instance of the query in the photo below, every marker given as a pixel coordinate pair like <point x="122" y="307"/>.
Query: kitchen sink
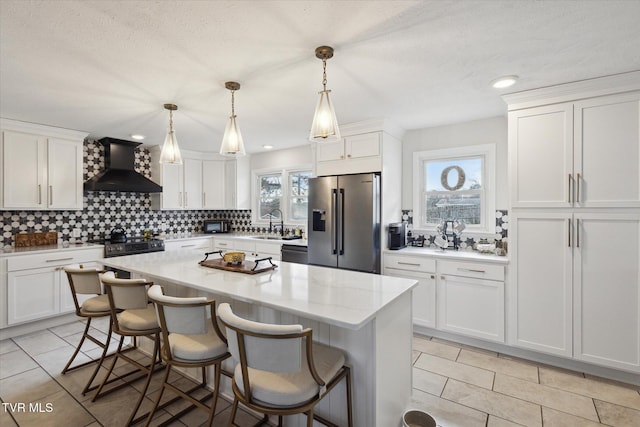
<point x="267" y="237"/>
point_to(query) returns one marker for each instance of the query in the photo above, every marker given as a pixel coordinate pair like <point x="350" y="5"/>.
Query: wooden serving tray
<point x="247" y="267"/>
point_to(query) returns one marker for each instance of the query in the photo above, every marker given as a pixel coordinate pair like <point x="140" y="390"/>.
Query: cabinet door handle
<point x="433" y="276"/>
<point x="408" y="263"/>
<point x="442" y="278"/>
<point x="569" y="228"/>
<point x="223" y="244"/>
<point x="341" y="156"/>
<point x="349" y="155"/>
<point x="470" y="270"/>
<point x="39" y="194"/>
<point x="59" y="259"/>
<point x="577" y="232"/>
<point x="185" y="199"/>
<point x="204" y="199"/>
<point x="180" y="198"/>
<point x="51" y="194"/>
<point x="578" y="189"/>
<point x="569" y="189"/>
<point x="187" y="246"/>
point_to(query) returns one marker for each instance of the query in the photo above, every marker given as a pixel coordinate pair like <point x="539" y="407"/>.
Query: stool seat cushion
<point x="197" y="347"/>
<point x="278" y="389"/>
<point x="139" y="319"/>
<point x="97" y="304"/>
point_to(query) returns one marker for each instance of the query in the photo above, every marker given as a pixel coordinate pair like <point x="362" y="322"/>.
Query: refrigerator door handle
<point x="334" y="222"/>
<point x="342" y="221"/>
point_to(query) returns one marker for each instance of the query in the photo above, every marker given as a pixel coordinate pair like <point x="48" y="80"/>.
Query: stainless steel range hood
<point x="120" y="175"/>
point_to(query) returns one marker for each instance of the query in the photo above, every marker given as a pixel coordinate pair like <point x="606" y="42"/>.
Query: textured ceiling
<point x="106" y="67"/>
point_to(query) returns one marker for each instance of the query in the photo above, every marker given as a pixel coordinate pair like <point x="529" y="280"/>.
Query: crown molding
<point x="608" y="85"/>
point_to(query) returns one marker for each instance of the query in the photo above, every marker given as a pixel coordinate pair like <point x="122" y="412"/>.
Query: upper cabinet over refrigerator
<point x="344" y="222"/>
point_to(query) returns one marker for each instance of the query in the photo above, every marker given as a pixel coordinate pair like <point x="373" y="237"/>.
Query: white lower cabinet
<point x="470" y="305"/>
<point x="37" y="286"/>
<point x="577" y="286"/>
<point x="259" y="249"/>
<point x="461" y="297"/>
<point x="424" y="295"/>
<point x="606" y="290"/>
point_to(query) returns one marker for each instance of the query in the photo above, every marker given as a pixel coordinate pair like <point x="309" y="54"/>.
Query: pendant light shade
<point x="170" y="153"/>
<point x="324" y="127"/>
<point x="232" y="143"/>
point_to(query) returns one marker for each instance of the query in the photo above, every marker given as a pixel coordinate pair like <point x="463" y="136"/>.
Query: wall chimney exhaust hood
<point x="120" y="175"/>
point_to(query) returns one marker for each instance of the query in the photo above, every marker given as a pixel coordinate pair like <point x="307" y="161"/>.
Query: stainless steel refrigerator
<point x="344" y="222"/>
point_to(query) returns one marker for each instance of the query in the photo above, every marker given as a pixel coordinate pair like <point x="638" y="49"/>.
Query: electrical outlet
<point x="163" y="226"/>
<point x="77" y="232"/>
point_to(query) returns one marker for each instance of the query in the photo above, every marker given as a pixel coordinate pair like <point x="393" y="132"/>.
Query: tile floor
<point x="466" y="386"/>
<point x="458" y="385"/>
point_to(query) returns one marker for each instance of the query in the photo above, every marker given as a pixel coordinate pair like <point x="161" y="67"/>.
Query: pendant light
<point x="232" y="144"/>
<point x="170" y="151"/>
<point x="325" y="125"/>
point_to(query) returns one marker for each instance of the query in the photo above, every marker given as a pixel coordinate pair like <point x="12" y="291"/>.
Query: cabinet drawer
<point x="53" y="258"/>
<point x="245" y="246"/>
<point x="223" y="243"/>
<point x="411" y="263"/>
<point x="268" y="248"/>
<point x="471" y="269"/>
<point x="191" y="244"/>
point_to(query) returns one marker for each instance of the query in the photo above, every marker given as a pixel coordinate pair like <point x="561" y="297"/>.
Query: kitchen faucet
<point x="281" y="221"/>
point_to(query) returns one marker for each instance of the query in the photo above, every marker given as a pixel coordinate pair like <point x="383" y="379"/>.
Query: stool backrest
<point x="264" y="346"/>
<point x="180" y="315"/>
<point x="126" y="294"/>
<point x="84" y="280"/>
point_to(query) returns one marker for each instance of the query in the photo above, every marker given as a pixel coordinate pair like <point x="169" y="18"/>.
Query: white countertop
<point x="232" y="236"/>
<point x="31" y="250"/>
<point x="449" y="254"/>
<point x="343" y="298"/>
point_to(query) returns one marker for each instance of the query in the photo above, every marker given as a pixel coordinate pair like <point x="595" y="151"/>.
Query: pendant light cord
<point x="233" y="99"/>
<point x="324" y="73"/>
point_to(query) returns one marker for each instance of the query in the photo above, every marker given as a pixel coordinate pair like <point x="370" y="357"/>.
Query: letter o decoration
<point x="444" y="178"/>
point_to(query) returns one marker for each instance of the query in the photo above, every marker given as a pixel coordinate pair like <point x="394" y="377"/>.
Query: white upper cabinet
<point x="203" y="181"/>
<point x="540" y="156"/>
<point x="192" y="184"/>
<point x="353" y="154"/>
<point x="213" y="182"/>
<point x="576" y="154"/>
<point x="41" y="167"/>
<point x="607" y="151"/>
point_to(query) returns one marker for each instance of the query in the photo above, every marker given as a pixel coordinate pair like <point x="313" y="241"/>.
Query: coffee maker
<point x="397" y="236"/>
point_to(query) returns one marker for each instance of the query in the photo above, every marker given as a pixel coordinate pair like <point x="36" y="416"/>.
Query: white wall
<point x="282" y="158"/>
<point x="485" y="131"/>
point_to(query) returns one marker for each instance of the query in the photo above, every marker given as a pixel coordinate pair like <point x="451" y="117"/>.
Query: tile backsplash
<point x="500" y="237"/>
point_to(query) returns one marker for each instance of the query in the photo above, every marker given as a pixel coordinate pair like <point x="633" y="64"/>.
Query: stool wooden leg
<point x="151" y="368"/>
<point x="106" y="378"/>
<point x="234" y="409"/>
<point x="88" y="387"/>
<point x="155" y="405"/>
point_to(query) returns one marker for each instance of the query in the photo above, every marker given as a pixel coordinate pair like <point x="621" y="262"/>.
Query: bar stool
<point x="190" y="340"/>
<point x="281" y="370"/>
<point x="86" y="281"/>
<point x="132" y="315"/>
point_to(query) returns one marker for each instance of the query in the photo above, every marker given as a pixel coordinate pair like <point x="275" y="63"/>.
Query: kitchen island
<point x="366" y="315"/>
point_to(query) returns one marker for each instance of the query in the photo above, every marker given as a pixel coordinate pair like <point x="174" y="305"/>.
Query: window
<point x="454" y="184"/>
<point x="299" y="195"/>
<point x="270" y="195"/>
<point x="286" y="190"/>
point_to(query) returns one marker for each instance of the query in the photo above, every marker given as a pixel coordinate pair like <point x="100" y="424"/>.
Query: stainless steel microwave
<point x="211" y="226"/>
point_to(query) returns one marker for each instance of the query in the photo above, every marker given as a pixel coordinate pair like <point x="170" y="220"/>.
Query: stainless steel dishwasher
<point x="294" y="253"/>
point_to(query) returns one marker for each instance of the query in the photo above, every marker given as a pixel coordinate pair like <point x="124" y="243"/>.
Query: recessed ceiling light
<point x="267" y="147"/>
<point x="137" y="137"/>
<point x="504" y="81"/>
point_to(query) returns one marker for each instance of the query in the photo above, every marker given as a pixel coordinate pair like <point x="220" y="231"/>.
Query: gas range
<point x="137" y="245"/>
